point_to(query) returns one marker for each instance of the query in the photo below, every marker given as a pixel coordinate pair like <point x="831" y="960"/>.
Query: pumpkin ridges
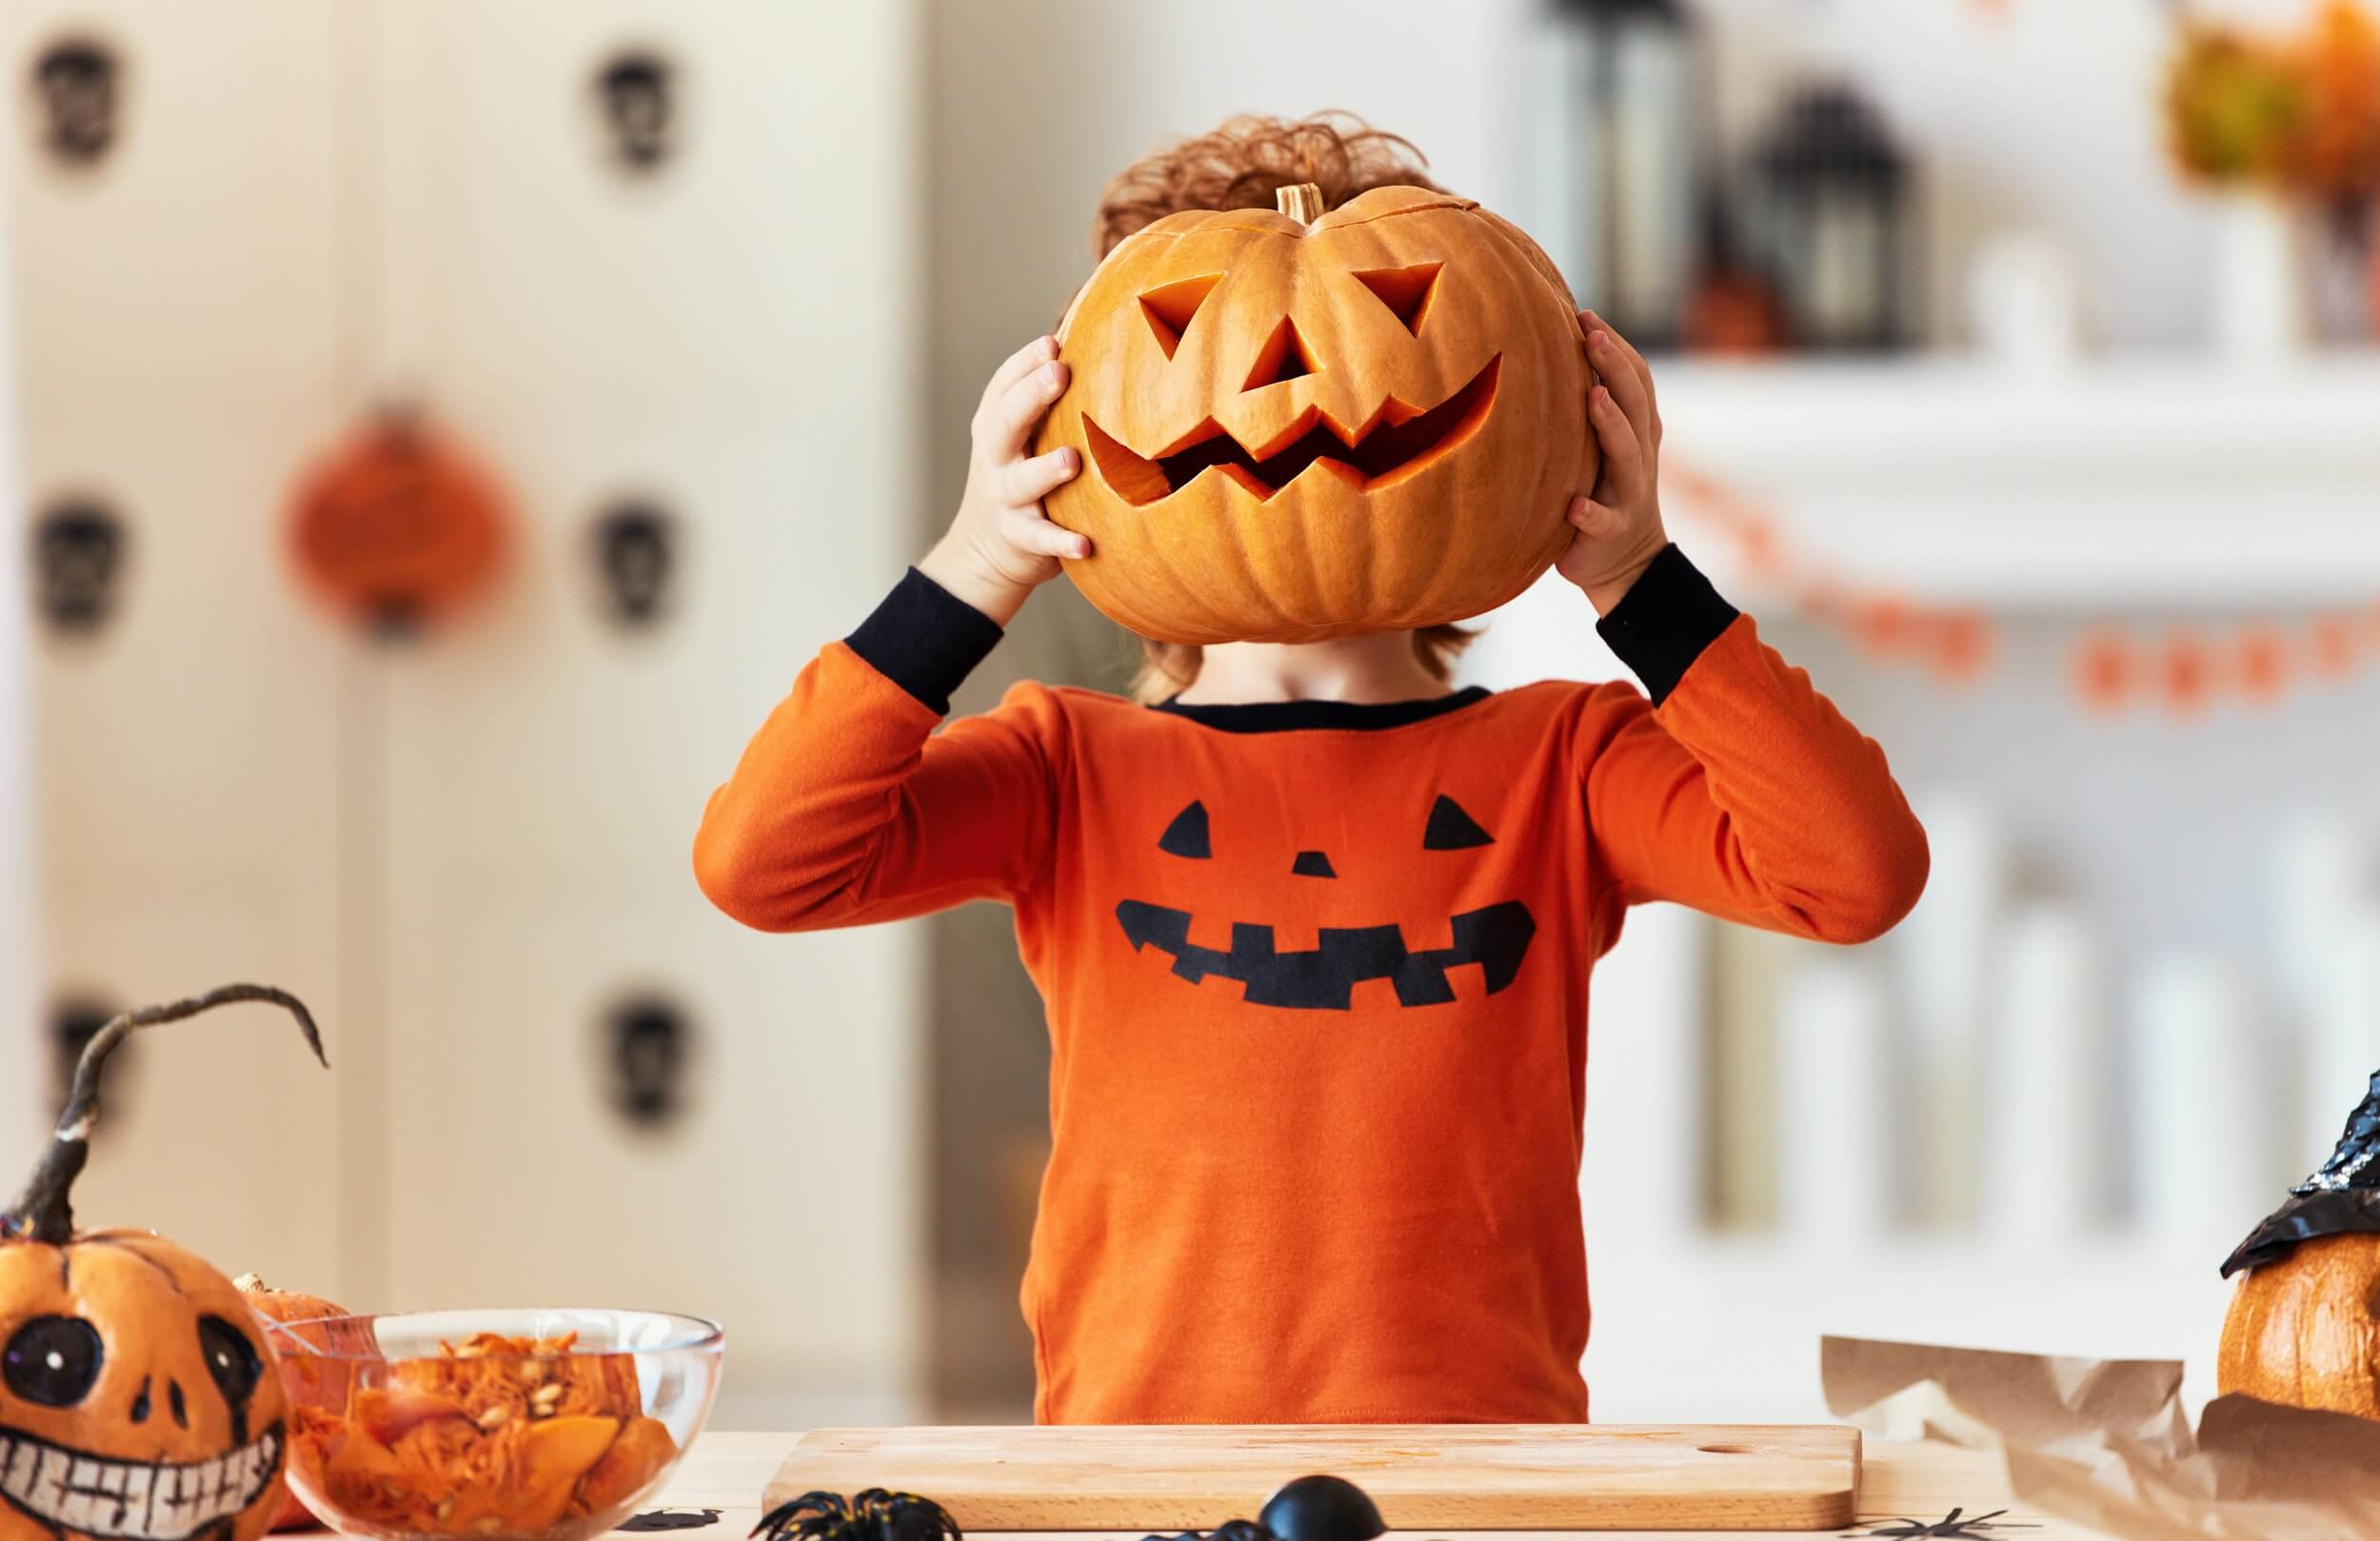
<point x="2300" y="1330"/>
<point x="1467" y="528"/>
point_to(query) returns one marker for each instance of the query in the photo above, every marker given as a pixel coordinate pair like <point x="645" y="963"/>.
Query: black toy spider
<point x="1310" y="1509"/>
<point x="1951" y="1527"/>
<point x="1228" y="1530"/>
<point x="871" y="1515"/>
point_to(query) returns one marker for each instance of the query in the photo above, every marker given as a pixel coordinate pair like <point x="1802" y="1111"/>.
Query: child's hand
<point x="1000" y="547"/>
<point x="1619" y="527"/>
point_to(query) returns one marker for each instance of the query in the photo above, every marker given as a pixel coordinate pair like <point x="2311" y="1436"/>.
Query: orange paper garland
<point x="2182" y="669"/>
<point x="398" y="526"/>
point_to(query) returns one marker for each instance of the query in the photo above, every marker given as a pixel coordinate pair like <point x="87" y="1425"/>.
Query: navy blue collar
<point x="1289" y="716"/>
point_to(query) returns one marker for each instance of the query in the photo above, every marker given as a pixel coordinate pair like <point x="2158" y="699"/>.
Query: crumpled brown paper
<point x="2105" y="1443"/>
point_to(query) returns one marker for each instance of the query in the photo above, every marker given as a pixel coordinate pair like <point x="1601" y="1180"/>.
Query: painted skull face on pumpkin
<point x="137" y="1402"/>
<point x="1294" y="431"/>
<point x="1494" y="937"/>
<point x="137" y="1399"/>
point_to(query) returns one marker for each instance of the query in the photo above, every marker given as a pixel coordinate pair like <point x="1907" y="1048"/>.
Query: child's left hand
<point x="1620" y="526"/>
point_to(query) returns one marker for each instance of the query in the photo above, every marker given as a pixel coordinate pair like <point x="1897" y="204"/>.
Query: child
<point x="1315" y="933"/>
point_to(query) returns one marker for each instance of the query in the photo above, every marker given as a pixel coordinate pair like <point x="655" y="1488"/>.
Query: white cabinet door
<point x="175" y="331"/>
<point x="770" y="242"/>
<point x="471" y="852"/>
<point x="174" y="339"/>
<point x="723" y="340"/>
<point x="198" y="253"/>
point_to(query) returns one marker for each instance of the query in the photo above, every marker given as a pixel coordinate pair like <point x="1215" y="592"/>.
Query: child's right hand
<point x="1000" y="547"/>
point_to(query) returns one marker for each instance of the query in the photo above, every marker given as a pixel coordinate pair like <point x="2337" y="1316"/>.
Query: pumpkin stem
<point x="43" y="1213"/>
<point x="1301" y="200"/>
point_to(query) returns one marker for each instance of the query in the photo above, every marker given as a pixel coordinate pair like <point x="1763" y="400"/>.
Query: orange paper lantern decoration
<point x="1297" y="424"/>
<point x="1962" y="645"/>
<point x="2262" y="664"/>
<point x="2106" y="672"/>
<point x="2334" y="644"/>
<point x="1886" y="623"/>
<point x="398" y="527"/>
<point x="2186" y="674"/>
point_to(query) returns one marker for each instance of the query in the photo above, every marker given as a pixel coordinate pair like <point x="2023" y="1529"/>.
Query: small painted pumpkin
<point x="1295" y="427"/>
<point x="299" y="1374"/>
<point x="138" y="1398"/>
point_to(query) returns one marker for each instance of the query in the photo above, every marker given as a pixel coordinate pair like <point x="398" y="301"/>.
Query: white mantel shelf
<point x="2123" y="485"/>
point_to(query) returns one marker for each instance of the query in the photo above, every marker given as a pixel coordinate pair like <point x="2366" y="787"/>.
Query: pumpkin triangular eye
<point x="1451" y="829"/>
<point x="1168" y="310"/>
<point x="1406" y="292"/>
<point x="1186" y="834"/>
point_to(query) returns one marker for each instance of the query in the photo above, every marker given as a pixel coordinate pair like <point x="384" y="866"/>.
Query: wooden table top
<point x="726" y="1471"/>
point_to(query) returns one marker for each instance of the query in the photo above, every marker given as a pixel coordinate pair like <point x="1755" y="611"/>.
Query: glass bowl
<point x="494" y="1425"/>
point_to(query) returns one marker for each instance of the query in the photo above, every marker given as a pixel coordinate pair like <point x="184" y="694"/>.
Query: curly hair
<point x="1241" y="163"/>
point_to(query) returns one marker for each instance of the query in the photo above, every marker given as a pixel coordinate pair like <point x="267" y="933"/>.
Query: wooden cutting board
<point x="1424" y="1476"/>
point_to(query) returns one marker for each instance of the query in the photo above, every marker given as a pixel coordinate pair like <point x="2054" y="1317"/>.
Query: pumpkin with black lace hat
<point x="2304" y="1325"/>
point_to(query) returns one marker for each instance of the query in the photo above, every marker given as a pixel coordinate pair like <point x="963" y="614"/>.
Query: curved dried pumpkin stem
<point x="43" y="1213"/>
<point x="1301" y="200"/>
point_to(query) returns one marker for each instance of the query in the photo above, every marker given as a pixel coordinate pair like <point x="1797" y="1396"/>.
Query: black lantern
<point x="1615" y="166"/>
<point x="1828" y="212"/>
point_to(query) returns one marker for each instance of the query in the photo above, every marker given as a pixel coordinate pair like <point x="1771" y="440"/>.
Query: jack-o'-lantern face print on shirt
<point x="1416" y="956"/>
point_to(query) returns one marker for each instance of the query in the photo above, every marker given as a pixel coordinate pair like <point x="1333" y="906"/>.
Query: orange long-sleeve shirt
<point x="1317" y="976"/>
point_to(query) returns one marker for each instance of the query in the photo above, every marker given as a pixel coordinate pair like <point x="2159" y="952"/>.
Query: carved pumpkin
<point x="1298" y="427"/>
<point x="138" y="1400"/>
<point x="1209" y="895"/>
<point x="297" y="1373"/>
<point x="2306" y="1330"/>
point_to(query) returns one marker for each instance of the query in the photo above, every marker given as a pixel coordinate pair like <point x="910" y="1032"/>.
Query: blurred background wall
<point x="20" y="971"/>
<point x="650" y="271"/>
<point x="2002" y="453"/>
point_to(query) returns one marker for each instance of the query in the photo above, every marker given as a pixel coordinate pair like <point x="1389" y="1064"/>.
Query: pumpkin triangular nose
<point x="1451" y="829"/>
<point x="1284" y="356"/>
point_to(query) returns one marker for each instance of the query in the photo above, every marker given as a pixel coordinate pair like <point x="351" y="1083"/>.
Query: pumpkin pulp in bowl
<point x="512" y="1426"/>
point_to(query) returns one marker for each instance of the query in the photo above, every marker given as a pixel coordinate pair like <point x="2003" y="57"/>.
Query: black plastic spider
<point x="1310" y="1509"/>
<point x="872" y="1515"/>
<point x="1950" y="1528"/>
<point x="1228" y="1530"/>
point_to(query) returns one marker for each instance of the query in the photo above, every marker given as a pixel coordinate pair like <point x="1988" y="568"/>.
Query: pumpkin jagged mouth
<point x="1396" y="441"/>
<point x="96" y="1495"/>
<point x="1496" y="939"/>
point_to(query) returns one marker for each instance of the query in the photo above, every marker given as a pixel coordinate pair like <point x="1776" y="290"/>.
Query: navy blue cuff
<point x="924" y="638"/>
<point x="1664" y="621"/>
